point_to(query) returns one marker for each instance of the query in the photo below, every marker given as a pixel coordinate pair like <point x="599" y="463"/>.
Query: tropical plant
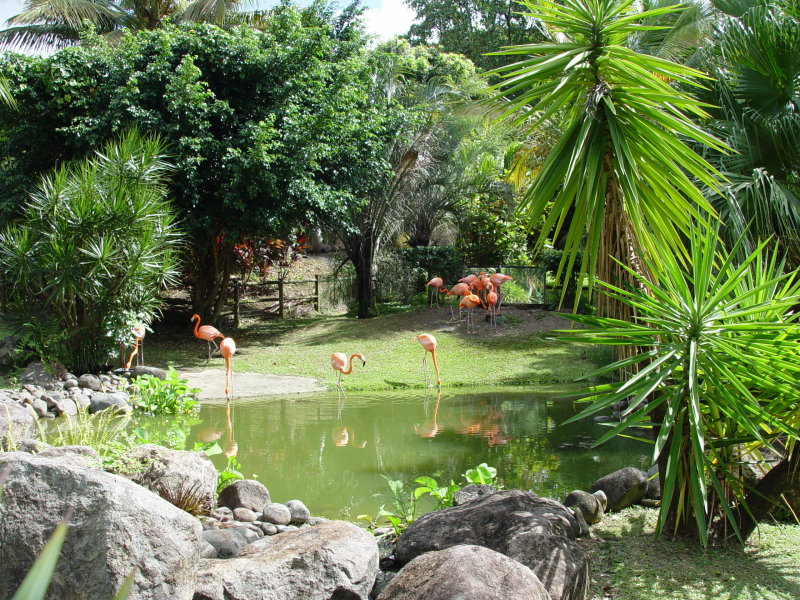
<point x="620" y="180"/>
<point x="170" y="396"/>
<point x="58" y="23"/>
<point x="716" y="346"/>
<point x="752" y="53"/>
<point x="97" y="239"/>
<point x="483" y="474"/>
<point x="232" y="472"/>
<point x="104" y="431"/>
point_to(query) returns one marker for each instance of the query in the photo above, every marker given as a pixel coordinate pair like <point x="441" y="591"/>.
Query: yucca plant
<point x="620" y="181"/>
<point x="715" y="343"/>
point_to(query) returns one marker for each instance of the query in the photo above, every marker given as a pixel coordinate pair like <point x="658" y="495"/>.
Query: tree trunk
<point x="361" y="252"/>
<point x="211" y="270"/>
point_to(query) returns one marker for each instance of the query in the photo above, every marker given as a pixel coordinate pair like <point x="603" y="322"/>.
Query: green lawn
<point x="628" y="564"/>
<point x="514" y="356"/>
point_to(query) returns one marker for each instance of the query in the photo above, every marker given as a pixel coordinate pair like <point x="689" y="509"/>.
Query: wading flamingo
<point x="429" y="343"/>
<point x="437" y="287"/>
<point x="339" y="361"/>
<point x="227" y="347"/>
<point x="206" y="332"/>
<point x="138" y="336"/>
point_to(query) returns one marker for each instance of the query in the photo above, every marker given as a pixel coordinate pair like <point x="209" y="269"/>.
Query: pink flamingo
<point x="429" y="344"/>
<point x="227" y="347"/>
<point x="491" y="303"/>
<point x="459" y="289"/>
<point x="339" y="361"/>
<point x="138" y="336"/>
<point x="206" y="332"/>
<point x="437" y="286"/>
<point x="469" y="302"/>
<point x="497" y="280"/>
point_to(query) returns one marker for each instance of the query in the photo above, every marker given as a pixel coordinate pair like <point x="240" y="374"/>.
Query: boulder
<point x="226" y="542"/>
<point x="154" y="371"/>
<point x="299" y="511"/>
<point x="16" y="422"/>
<point x="91" y="382"/>
<point x="80" y="456"/>
<point x="622" y="488"/>
<point x="116" y="400"/>
<point x="245" y="493"/>
<point x="335" y="560"/>
<point x="469" y="492"/>
<point x="588" y="504"/>
<point x="173" y="473"/>
<point x="537" y="532"/>
<point x="277" y="514"/>
<point x="36" y="373"/>
<point x="465" y="571"/>
<point x="115" y="526"/>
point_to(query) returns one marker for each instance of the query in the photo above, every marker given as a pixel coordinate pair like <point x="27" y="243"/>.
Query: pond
<point x="334" y="453"/>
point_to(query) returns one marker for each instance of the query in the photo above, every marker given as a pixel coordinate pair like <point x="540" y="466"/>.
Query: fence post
<point x="236" y="303"/>
<point x="280" y="298"/>
<point x="316" y="293"/>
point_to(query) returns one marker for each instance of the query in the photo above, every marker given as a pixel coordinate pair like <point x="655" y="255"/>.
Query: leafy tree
<point x="472" y="27"/>
<point x="620" y="179"/>
<point x="716" y="343"/>
<point x="268" y="130"/>
<point x="95" y="245"/>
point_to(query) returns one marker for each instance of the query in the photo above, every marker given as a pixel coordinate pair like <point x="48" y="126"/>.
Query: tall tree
<point x="472" y="27"/>
<point x="620" y="179"/>
<point x="263" y="126"/>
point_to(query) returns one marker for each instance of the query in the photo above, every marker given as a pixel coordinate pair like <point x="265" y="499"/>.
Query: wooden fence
<point x="282" y="298"/>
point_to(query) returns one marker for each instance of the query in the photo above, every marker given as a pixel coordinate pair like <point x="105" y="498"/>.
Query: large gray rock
<point x="90" y="381"/>
<point x="472" y="491"/>
<point x="245" y="493"/>
<point x="115" y="401"/>
<point x="172" y="473"/>
<point x="154" y="371"/>
<point x="115" y="526"/>
<point x="36" y="373"/>
<point x="81" y="456"/>
<point x="537" y="532"/>
<point x="226" y="542"/>
<point x="462" y="572"/>
<point x="334" y="560"/>
<point x="16" y="422"/>
<point x="622" y="488"/>
<point x="589" y="505"/>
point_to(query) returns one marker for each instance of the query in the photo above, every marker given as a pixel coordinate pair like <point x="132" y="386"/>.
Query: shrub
<point x="96" y="243"/>
<point x="171" y="396"/>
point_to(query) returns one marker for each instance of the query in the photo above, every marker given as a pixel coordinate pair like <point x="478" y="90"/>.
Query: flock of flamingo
<point x="475" y="290"/>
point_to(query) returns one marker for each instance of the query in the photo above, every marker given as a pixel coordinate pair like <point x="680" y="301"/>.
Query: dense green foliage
<point x="96" y="243"/>
<point x="715" y="343"/>
<point x="268" y="130"/>
<point x="472" y="27"/>
<point x="170" y="396"/>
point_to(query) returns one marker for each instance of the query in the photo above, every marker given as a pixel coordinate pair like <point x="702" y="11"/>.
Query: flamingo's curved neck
<point x="350" y="368"/>
<point x="196" y="325"/>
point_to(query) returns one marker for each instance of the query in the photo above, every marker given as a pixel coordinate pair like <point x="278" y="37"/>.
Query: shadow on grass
<point x="629" y="564"/>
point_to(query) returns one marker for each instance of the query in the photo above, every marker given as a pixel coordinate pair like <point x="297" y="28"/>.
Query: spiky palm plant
<point x="716" y="343"/>
<point x="620" y="181"/>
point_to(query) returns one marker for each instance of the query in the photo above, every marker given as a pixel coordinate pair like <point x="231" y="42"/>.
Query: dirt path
<point x="248" y="385"/>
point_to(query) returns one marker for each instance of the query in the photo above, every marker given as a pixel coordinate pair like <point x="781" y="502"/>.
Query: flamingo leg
<point x="438" y="377"/>
<point x="134" y="353"/>
<point x="425" y="367"/>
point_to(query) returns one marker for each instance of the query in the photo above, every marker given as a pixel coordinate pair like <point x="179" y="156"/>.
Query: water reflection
<point x="332" y="454"/>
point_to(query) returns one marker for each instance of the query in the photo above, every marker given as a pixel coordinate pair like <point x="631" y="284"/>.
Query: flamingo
<point x="206" y="332"/>
<point x="497" y="280"/>
<point x="470" y="301"/>
<point x="491" y="303"/>
<point x="138" y="332"/>
<point x="469" y="280"/>
<point x="429" y="343"/>
<point x="227" y="347"/>
<point x="338" y="362"/>
<point x="459" y="289"/>
<point x="438" y="286"/>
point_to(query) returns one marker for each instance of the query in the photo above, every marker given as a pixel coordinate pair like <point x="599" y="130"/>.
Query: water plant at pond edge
<point x="405" y="505"/>
<point x="171" y="396"/>
<point x="715" y="374"/>
<point x="233" y="469"/>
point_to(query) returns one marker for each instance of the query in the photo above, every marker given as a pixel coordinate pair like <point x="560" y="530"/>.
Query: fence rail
<point x="240" y="289"/>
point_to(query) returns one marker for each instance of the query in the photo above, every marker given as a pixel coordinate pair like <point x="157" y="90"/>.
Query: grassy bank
<point x="628" y="564"/>
<point x="522" y="351"/>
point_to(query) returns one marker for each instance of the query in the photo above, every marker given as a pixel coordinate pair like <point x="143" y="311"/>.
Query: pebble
<point x="278" y="514"/>
<point x="245" y="515"/>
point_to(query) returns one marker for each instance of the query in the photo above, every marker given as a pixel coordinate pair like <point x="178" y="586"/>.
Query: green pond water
<point x="332" y="452"/>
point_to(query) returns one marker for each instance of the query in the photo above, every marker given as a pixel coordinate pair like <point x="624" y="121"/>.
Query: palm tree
<point x="753" y="56"/>
<point x="57" y="23"/>
<point x="620" y="180"/>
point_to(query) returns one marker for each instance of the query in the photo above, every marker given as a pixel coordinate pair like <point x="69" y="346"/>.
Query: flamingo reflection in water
<point x="430" y="428"/>
<point x="488" y="426"/>
<point x="344" y="436"/>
